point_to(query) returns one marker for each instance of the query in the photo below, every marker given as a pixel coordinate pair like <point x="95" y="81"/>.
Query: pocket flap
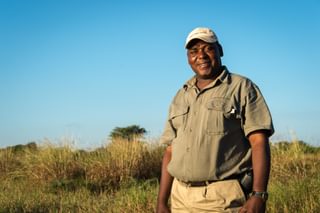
<point x="219" y="104"/>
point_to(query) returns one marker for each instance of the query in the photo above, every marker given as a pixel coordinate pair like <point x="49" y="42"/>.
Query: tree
<point x="128" y="133"/>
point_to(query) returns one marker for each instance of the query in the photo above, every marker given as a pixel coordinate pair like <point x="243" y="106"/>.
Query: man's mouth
<point x="204" y="65"/>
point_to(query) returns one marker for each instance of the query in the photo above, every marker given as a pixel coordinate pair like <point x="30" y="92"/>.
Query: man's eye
<point x="209" y="48"/>
<point x="193" y="51"/>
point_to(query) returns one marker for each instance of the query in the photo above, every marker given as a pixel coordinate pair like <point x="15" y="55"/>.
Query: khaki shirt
<point x="208" y="129"/>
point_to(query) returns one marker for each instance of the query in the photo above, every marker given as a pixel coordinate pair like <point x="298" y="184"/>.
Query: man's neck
<point x="203" y="82"/>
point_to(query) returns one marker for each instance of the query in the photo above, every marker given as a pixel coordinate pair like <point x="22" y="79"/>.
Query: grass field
<point x="123" y="177"/>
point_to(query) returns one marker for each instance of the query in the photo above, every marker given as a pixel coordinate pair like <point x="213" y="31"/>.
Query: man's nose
<point x="202" y="53"/>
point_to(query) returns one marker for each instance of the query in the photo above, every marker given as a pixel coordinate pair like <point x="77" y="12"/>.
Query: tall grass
<point x="59" y="178"/>
<point x="295" y="178"/>
<point x="123" y="177"/>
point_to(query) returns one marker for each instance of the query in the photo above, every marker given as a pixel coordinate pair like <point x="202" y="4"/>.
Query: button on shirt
<point x="208" y="129"/>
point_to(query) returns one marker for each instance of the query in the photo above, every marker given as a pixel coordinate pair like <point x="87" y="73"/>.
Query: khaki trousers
<point x="222" y="196"/>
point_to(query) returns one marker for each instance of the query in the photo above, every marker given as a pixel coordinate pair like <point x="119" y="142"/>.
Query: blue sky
<point x="77" y="69"/>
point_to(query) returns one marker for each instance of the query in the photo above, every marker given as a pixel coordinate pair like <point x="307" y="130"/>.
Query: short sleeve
<point x="256" y="114"/>
<point x="168" y="134"/>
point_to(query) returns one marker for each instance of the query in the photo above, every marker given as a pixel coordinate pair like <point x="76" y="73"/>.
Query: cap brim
<point x="203" y="38"/>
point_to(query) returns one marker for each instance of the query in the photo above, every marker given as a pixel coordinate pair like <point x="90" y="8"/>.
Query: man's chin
<point x="205" y="72"/>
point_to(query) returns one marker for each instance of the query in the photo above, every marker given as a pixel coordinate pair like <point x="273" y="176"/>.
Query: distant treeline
<point x="283" y="145"/>
<point x="22" y="147"/>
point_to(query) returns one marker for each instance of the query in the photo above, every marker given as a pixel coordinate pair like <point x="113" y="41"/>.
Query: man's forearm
<point x="261" y="168"/>
<point x="260" y="160"/>
<point x="166" y="179"/>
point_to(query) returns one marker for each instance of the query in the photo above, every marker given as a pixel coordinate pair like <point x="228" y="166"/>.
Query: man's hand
<point x="254" y="205"/>
<point x="162" y="208"/>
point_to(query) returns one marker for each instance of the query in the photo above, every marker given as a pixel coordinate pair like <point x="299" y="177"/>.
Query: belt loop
<point x="205" y="192"/>
<point x="205" y="189"/>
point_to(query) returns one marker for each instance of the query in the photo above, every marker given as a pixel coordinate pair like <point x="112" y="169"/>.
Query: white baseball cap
<point x="202" y="33"/>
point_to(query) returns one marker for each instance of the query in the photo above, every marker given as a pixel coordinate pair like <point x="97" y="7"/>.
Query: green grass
<point x="295" y="179"/>
<point x="133" y="196"/>
<point x="123" y="177"/>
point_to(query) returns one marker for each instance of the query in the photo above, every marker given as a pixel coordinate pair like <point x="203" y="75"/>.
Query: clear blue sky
<point x="77" y="69"/>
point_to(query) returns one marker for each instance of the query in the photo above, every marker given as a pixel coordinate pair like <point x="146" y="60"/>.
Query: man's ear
<point x="220" y="49"/>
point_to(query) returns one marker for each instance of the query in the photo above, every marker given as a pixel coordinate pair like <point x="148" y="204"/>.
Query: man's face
<point x="204" y="59"/>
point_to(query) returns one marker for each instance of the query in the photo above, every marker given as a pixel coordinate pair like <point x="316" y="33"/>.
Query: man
<point x="217" y="136"/>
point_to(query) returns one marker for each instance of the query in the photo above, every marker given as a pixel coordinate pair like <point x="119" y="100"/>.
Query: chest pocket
<point x="222" y="117"/>
<point x="178" y="116"/>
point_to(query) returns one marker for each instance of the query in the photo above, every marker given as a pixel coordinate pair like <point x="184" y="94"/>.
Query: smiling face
<point x="204" y="59"/>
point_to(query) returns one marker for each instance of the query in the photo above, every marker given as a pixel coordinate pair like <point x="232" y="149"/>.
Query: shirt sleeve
<point x="256" y="114"/>
<point x="168" y="134"/>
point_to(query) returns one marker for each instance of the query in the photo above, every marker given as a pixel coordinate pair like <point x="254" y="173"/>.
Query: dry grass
<point x="295" y="179"/>
<point x="123" y="177"/>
